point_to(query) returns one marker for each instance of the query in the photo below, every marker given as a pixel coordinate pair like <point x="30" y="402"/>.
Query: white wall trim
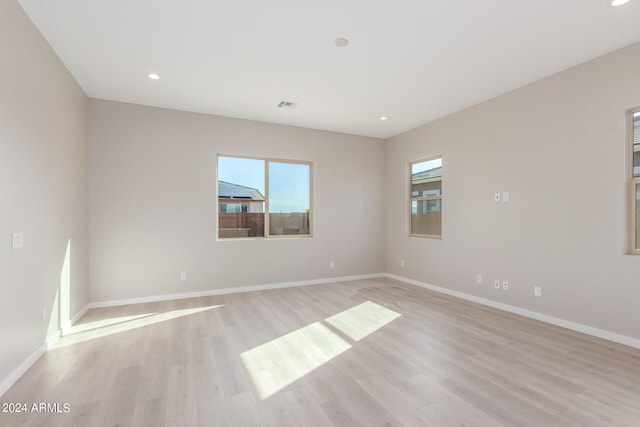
<point x="224" y="291"/>
<point x="51" y="339"/>
<point x="578" y="327"/>
<point x="66" y="326"/>
<point x="33" y="358"/>
<point x="21" y="369"/>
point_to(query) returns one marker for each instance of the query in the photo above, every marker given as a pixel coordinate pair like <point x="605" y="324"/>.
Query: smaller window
<point x="634" y="199"/>
<point x="425" y="202"/>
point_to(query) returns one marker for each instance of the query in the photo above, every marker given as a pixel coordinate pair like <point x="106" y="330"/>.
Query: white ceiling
<point x="411" y="60"/>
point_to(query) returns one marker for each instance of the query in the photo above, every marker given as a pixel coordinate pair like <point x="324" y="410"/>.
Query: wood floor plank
<point x="245" y="410"/>
<point x="306" y="408"/>
<point x="119" y="406"/>
<point x="181" y="397"/>
<point x="523" y="386"/>
<point x="148" y="413"/>
<point x="233" y="375"/>
<point x="278" y="413"/>
<point x="444" y="406"/>
<point x="358" y="410"/>
<point x="404" y="408"/>
<point x="211" y="402"/>
<point x="428" y="359"/>
<point x="507" y="407"/>
<point x="156" y="380"/>
<point x="440" y="414"/>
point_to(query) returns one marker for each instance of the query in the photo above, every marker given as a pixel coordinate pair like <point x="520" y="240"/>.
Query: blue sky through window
<point x="426" y="165"/>
<point x="241" y="171"/>
<point x="288" y="187"/>
<point x="288" y="182"/>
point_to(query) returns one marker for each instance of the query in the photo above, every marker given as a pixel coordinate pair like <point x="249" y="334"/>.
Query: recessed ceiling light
<point x="153" y="76"/>
<point x="383" y="118"/>
<point x="341" y="42"/>
<point x="616" y="3"/>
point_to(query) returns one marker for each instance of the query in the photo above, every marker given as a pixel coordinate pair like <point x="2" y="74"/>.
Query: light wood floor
<point x="365" y="353"/>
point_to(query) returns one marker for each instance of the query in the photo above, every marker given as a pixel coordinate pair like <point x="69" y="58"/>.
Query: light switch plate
<point x="17" y="240"/>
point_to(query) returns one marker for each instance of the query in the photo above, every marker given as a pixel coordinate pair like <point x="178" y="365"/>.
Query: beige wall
<point x="558" y="147"/>
<point x="152" y="203"/>
<point x="43" y="188"/>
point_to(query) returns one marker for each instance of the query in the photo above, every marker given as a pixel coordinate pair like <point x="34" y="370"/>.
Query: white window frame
<point x="266" y="161"/>
<point x="634" y="181"/>
<point x="413" y="198"/>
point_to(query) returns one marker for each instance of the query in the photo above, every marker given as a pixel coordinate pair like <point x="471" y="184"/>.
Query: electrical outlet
<point x="496" y="284"/>
<point x="505" y="286"/>
<point x="496" y="197"/>
<point x="505" y="197"/>
<point x="478" y="279"/>
<point x="537" y="291"/>
<point x="183" y="275"/>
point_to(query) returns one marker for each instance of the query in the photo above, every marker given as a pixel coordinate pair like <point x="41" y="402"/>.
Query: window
<point x="233" y="207"/>
<point x="425" y="201"/>
<point x="263" y="197"/>
<point x="634" y="199"/>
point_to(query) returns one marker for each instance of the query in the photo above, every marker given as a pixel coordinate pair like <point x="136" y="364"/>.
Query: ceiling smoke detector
<point x="287" y="105"/>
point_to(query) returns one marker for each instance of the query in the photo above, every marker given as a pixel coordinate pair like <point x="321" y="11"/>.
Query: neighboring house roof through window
<point x="227" y="190"/>
<point x="427" y="175"/>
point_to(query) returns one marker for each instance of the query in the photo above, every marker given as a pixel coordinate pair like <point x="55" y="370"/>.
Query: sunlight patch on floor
<point x="278" y="363"/>
<point x="90" y="326"/>
<point x="274" y="365"/>
<point x="106" y="327"/>
<point x="362" y="320"/>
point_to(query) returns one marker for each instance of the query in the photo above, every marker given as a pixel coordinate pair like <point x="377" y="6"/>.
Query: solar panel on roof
<point x="226" y="189"/>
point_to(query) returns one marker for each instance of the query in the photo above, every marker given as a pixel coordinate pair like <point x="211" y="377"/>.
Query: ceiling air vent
<point x="287" y="105"/>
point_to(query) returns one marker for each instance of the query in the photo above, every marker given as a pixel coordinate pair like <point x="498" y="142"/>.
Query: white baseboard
<point x="21" y="369"/>
<point x="114" y="303"/>
<point x="33" y="358"/>
<point x="51" y="339"/>
<point x="66" y="326"/>
<point x="578" y="327"/>
<point x="600" y="333"/>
